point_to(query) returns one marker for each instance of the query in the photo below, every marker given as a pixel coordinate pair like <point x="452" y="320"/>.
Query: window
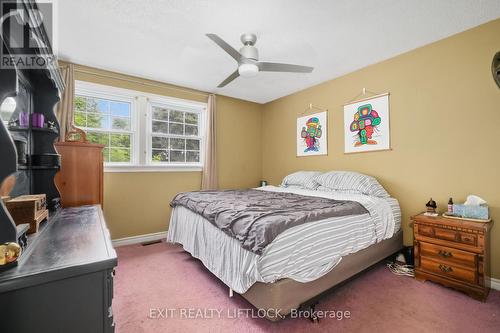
<point x="107" y="122"/>
<point x="141" y="132"/>
<point x="175" y="135"/>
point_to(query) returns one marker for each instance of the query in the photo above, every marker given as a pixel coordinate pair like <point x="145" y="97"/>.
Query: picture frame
<point x="367" y="125"/>
<point x="312" y="134"/>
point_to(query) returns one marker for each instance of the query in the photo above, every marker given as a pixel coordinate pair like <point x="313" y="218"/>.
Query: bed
<point x="308" y="259"/>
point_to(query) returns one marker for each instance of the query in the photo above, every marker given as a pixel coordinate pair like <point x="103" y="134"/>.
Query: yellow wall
<point x="137" y="203"/>
<point x="445" y="116"/>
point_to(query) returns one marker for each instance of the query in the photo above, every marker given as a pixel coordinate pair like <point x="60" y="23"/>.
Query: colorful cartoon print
<point x="311" y="133"/>
<point x="365" y="123"/>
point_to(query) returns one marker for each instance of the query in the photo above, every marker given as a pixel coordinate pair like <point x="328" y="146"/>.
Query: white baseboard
<point x="139" y="239"/>
<point x="495" y="283"/>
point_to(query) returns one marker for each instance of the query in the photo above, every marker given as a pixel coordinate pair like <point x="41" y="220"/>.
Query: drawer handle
<point x="446" y="269"/>
<point x="445" y="254"/>
<point x="467" y="239"/>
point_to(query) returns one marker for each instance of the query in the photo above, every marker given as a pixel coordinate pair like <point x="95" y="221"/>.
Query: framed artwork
<point x="312" y="134"/>
<point x="366" y="125"/>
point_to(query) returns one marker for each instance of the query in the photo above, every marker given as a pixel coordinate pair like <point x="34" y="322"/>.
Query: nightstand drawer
<point x="448" y="255"/>
<point x="424" y="230"/>
<point x="447" y="270"/>
<point x="440" y="233"/>
<point x="467" y="238"/>
<point x="447" y="234"/>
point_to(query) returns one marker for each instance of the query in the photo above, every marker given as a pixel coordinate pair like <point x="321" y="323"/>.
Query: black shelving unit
<point x="35" y="91"/>
<point x="63" y="281"/>
<point x="34" y="129"/>
<point x="18" y="129"/>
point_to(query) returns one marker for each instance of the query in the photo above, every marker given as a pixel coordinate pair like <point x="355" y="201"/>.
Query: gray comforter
<point x="255" y="218"/>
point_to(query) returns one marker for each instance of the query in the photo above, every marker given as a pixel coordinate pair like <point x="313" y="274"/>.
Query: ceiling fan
<point x="248" y="59"/>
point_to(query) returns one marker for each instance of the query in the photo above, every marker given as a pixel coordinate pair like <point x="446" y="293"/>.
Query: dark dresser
<point x="64" y="280"/>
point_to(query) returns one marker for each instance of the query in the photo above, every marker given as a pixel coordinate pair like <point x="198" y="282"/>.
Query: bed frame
<point x="287" y="294"/>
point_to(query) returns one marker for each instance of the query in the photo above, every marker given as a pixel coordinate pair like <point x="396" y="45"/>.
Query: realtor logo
<point x="26" y="30"/>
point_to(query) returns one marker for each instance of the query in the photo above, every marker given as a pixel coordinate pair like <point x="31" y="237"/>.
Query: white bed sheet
<point x="302" y="253"/>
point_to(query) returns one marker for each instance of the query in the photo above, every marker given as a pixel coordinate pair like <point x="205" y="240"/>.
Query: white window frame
<point x="119" y="95"/>
<point x="141" y="126"/>
<point x="176" y="105"/>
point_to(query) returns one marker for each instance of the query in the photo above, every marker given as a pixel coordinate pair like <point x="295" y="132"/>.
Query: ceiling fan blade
<point x="229" y="79"/>
<point x="277" y="67"/>
<point x="225" y="46"/>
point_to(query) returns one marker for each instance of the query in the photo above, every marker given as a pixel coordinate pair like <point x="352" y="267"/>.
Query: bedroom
<point x="143" y="78"/>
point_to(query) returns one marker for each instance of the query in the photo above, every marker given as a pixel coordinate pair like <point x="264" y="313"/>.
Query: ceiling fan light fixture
<point x="248" y="60"/>
<point x="248" y="70"/>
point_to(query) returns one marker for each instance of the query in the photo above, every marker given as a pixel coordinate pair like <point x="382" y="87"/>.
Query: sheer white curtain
<point x="64" y="109"/>
<point x="209" y="179"/>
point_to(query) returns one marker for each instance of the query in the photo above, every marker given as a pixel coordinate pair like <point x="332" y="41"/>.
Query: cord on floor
<point x="401" y="269"/>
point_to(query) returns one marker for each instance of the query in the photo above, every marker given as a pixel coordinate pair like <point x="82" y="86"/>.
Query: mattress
<point x="303" y="253"/>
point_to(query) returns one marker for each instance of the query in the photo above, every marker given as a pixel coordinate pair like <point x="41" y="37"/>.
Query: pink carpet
<point x="157" y="286"/>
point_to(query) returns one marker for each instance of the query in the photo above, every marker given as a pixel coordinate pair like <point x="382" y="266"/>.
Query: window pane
<point x="79" y="119"/>
<point x="192" y="156"/>
<point x="177" y="156"/>
<point x="179" y="144"/>
<point x="120" y="140"/>
<point x="177" y="129"/>
<point x="107" y="122"/>
<point x="95" y="113"/>
<point x="120" y="109"/>
<point x="105" y="154"/>
<point x="80" y="103"/>
<point x="91" y="105"/>
<point x="191" y="118"/>
<point x="160" y="113"/>
<point x="157" y="142"/>
<point x="121" y="123"/>
<point x="102" y="105"/>
<point x="191" y="130"/>
<point x="97" y="120"/>
<point x="160" y="127"/>
<point x="119" y="155"/>
<point x="177" y="116"/>
<point x="159" y="155"/>
<point x="192" y="144"/>
<point x="98" y="138"/>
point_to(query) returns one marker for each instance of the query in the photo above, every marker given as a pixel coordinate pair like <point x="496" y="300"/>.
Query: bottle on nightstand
<point x="450" y="206"/>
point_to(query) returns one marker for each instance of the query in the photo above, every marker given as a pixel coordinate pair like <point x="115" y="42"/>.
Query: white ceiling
<point x="165" y="40"/>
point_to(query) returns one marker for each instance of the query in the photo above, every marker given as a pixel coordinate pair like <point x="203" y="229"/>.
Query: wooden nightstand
<point x="453" y="252"/>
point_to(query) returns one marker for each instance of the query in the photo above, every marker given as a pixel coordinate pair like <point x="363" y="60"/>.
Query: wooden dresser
<point x="80" y="180"/>
<point x="454" y="253"/>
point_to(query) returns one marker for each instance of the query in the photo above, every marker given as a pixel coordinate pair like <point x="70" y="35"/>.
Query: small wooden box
<point x="30" y="209"/>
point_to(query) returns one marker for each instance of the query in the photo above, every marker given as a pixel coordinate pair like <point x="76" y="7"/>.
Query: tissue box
<point x="471" y="211"/>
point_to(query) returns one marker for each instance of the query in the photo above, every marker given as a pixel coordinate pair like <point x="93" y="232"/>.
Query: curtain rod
<point x="165" y="86"/>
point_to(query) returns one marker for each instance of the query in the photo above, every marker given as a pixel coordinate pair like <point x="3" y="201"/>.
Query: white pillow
<point x="327" y="189"/>
<point x="305" y="179"/>
<point x="352" y="181"/>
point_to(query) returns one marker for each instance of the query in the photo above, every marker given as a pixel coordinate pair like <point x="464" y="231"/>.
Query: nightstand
<point x="453" y="252"/>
